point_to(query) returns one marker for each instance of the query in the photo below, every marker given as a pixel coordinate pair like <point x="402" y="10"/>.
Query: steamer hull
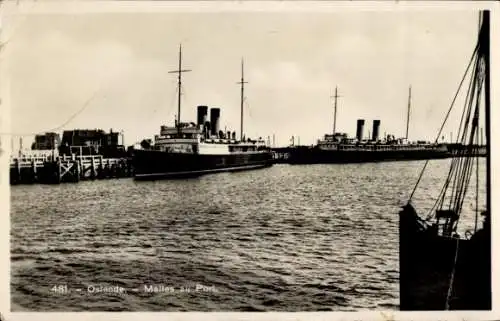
<point x="319" y="156"/>
<point x="151" y="164"/>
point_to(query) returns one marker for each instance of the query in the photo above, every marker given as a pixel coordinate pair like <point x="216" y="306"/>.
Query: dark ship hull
<point x="442" y="273"/>
<point x="308" y="155"/>
<point x="151" y="164"/>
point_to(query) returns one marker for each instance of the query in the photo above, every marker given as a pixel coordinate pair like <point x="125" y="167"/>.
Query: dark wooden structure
<point x="52" y="169"/>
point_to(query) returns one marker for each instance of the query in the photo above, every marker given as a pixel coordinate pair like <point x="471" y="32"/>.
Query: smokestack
<point x="376" y="127"/>
<point x="359" y="129"/>
<point x="214" y="120"/>
<point x="202" y="115"/>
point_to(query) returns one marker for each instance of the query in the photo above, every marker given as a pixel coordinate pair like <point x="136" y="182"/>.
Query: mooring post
<point x="58" y="170"/>
<point x="92" y="167"/>
<point x="76" y="170"/>
<point x="81" y="170"/>
<point x="107" y="169"/>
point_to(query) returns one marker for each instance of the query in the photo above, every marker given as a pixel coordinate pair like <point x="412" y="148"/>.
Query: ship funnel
<point x="202" y="115"/>
<point x="359" y="129"/>
<point x="214" y="121"/>
<point x="376" y="127"/>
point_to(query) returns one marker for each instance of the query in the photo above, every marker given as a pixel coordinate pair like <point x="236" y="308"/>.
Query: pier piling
<point x="51" y="169"/>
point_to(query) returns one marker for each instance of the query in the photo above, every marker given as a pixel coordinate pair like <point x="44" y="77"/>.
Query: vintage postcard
<point x="304" y="160"/>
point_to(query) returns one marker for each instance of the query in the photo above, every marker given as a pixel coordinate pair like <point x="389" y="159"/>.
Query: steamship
<point x="193" y="149"/>
<point x="339" y="148"/>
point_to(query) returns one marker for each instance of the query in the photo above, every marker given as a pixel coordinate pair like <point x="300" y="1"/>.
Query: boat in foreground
<point x="440" y="269"/>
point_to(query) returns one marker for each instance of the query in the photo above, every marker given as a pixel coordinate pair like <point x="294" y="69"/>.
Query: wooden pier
<point x="52" y="169"/>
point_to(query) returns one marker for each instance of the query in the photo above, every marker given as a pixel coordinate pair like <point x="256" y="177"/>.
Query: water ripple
<point x="288" y="238"/>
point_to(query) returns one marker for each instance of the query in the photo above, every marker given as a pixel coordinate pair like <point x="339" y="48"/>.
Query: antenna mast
<point x="179" y="71"/>
<point x="335" y="111"/>
<point x="242" y="98"/>
<point x="408" y="114"/>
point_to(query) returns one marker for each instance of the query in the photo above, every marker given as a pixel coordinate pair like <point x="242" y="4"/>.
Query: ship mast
<point x="335" y="111"/>
<point x="485" y="44"/>
<point x="179" y="71"/>
<point x="242" y="82"/>
<point x="408" y="114"/>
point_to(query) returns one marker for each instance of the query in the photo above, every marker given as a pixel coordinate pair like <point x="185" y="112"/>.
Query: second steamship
<point x="338" y="148"/>
<point x="188" y="149"/>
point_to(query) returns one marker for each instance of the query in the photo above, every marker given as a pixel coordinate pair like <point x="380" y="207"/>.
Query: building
<point x="82" y="137"/>
<point x="47" y="141"/>
<point x="90" y="142"/>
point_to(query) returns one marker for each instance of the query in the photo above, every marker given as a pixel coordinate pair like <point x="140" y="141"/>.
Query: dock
<point x="52" y="168"/>
<point x="56" y="169"/>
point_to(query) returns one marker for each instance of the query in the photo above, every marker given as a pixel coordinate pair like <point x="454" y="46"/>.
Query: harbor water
<point x="285" y="238"/>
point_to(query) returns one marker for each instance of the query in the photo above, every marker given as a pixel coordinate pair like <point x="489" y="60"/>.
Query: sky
<point x="116" y="64"/>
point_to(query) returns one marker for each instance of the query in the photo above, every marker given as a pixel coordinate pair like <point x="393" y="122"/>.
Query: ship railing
<point x="30" y="159"/>
<point x="38" y="159"/>
<point x="222" y="141"/>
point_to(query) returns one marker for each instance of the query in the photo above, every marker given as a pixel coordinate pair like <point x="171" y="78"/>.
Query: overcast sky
<point x="293" y="63"/>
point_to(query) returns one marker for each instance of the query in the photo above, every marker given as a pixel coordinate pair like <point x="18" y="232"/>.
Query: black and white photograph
<point x="204" y="157"/>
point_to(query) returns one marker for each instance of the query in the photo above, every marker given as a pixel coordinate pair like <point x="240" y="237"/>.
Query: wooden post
<point x="81" y="170"/>
<point x="107" y="171"/>
<point x="92" y="167"/>
<point x="58" y="170"/>
<point x="100" y="169"/>
<point x="76" y="170"/>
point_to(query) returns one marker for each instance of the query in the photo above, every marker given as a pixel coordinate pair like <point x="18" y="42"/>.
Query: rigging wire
<point x="172" y="102"/>
<point x="155" y="111"/>
<point x="476" y="123"/>
<point x="85" y="105"/>
<point x="459" y="164"/>
<point x="462" y="162"/>
<point x="78" y="112"/>
<point x="464" y="122"/>
<point x="477" y="185"/>
<point x="461" y="167"/>
<point x="470" y="150"/>
<point x="456" y="160"/>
